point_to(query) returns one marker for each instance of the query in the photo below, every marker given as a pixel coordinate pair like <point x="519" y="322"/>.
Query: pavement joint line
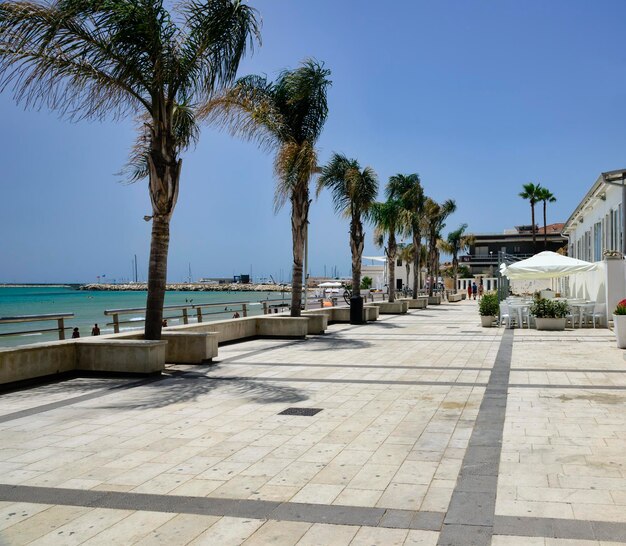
<point x="323" y="380"/>
<point x="77" y="399"/>
<point x="470" y="515"/>
<point x="566" y="370"/>
<point x="242" y="508"/>
<point x="365" y="366"/>
<point x="560" y="528"/>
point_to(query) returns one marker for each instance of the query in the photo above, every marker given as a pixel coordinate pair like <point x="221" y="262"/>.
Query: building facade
<point x="595" y="226"/>
<point x="482" y="258"/>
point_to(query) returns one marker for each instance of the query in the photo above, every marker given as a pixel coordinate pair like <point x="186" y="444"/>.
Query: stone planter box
<point x="318" y="322"/>
<point x="394" y="308"/>
<point x="550" y="324"/>
<point x="463" y="295"/>
<point x="121" y="356"/>
<point x="619" y="327"/>
<point x="417" y="303"/>
<point x="487" y="321"/>
<point x="434" y="300"/>
<point x="452" y="298"/>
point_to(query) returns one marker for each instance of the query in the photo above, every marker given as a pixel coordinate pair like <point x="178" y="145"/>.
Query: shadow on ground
<point x="189" y="386"/>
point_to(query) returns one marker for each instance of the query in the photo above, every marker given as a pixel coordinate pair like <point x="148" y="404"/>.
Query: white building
<point x="375" y="267"/>
<point x="595" y="228"/>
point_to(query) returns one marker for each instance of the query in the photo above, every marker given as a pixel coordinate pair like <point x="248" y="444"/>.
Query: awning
<point x="374" y="258"/>
<point x="546" y="265"/>
<point x="330" y="285"/>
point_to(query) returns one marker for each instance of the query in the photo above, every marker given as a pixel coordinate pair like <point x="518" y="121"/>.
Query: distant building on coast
<point x="482" y="258"/>
<point x="240" y="279"/>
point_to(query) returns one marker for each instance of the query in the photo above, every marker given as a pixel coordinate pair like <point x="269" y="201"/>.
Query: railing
<point x="59" y="317"/>
<point x="199" y="310"/>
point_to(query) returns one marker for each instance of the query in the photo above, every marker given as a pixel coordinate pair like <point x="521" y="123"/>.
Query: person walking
<point x="481" y="291"/>
<point x="469" y="291"/>
<point x="474" y="289"/>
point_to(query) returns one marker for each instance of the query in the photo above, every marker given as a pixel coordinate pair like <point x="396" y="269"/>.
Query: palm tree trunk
<point x="532" y="213"/>
<point x="164" y="176"/>
<point x="455" y="270"/>
<point x="299" y="219"/>
<point x="545" y="226"/>
<point x="417" y="247"/>
<point x="408" y="273"/>
<point x="356" y="246"/>
<point x="391" y="264"/>
<point x="157" y="276"/>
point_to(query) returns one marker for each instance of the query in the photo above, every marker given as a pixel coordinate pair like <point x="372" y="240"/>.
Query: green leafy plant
<point x="620" y="308"/>
<point x="366" y="283"/>
<point x="545" y="308"/>
<point x="488" y="305"/>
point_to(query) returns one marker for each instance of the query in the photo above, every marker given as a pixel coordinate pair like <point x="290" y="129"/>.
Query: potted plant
<point x="488" y="308"/>
<point x="619" y="324"/>
<point x="549" y="314"/>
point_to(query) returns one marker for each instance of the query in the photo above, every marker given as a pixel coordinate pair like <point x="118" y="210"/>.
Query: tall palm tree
<point x="90" y="59"/>
<point x="456" y="242"/>
<point x="435" y="215"/>
<point x="546" y="196"/>
<point x="408" y="189"/>
<point x="532" y="193"/>
<point x="286" y="116"/>
<point x="386" y="217"/>
<point x="353" y="191"/>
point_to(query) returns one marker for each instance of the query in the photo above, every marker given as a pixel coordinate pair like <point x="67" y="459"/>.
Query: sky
<point x="478" y="97"/>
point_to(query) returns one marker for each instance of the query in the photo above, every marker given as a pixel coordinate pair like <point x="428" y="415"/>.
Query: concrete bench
<point x="417" y="303"/>
<point x="434" y="300"/>
<point x="452" y="298"/>
<point x="36" y="360"/>
<point x="318" y="323"/>
<point x="282" y="327"/>
<point x="121" y="355"/>
<point x="394" y="308"/>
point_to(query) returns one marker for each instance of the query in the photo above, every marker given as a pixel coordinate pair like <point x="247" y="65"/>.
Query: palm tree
<point x="456" y="242"/>
<point x="546" y="196"/>
<point x="435" y="215"/>
<point x="532" y="193"/>
<point x="386" y="217"/>
<point x="286" y="116"/>
<point x="408" y="189"/>
<point x="353" y="191"/>
<point x="89" y="59"/>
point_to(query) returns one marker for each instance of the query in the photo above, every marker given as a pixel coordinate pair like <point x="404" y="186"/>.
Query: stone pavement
<point x="432" y="430"/>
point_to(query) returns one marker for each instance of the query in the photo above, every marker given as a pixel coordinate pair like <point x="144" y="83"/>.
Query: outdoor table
<point x="519" y="307"/>
<point x="582" y="307"/>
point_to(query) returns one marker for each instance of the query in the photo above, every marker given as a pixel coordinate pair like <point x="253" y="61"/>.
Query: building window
<point x="482" y="251"/>
<point x="597" y="241"/>
<point x="399" y="262"/>
<point x="517" y="249"/>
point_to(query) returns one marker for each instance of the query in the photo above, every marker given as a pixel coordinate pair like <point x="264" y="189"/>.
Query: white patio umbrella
<point x="546" y="265"/>
<point x="330" y="285"/>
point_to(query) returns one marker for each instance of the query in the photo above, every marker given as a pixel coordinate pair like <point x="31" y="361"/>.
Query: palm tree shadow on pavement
<point x="190" y="386"/>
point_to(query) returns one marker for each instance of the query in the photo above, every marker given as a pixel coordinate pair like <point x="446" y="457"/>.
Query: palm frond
<point x="220" y="33"/>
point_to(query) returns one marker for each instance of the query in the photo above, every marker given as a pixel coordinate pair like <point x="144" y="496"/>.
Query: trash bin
<point x="356" y="310"/>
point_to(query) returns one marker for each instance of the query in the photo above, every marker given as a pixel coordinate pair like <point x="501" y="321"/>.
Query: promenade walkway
<point x="430" y="430"/>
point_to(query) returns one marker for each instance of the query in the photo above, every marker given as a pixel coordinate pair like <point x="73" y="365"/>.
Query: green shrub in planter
<point x="488" y="305"/>
<point x="544" y="308"/>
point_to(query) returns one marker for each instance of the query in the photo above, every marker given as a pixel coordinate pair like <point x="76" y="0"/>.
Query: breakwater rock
<point x="192" y="287"/>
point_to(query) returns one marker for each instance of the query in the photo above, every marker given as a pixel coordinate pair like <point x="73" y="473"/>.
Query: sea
<point x="89" y="306"/>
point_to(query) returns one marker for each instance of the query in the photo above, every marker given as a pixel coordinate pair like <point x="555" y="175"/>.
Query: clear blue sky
<point x="477" y="97"/>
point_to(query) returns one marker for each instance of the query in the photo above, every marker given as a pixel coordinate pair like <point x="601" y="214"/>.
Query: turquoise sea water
<point x="88" y="308"/>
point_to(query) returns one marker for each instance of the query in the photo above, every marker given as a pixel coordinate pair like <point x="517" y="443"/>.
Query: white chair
<point x="597" y="313"/>
<point x="505" y="315"/>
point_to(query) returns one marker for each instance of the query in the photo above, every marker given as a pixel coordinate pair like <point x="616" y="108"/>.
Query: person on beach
<point x="469" y="291"/>
<point x="95" y="331"/>
<point x="164" y="323"/>
<point x="481" y="290"/>
<point x="75" y="333"/>
<point x="474" y="289"/>
<point x="236" y="315"/>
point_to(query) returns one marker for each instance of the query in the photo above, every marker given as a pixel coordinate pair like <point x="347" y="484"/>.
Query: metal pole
<point x="624" y="218"/>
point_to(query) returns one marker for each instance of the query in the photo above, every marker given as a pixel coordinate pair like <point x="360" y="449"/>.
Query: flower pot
<point x="487" y="320"/>
<point x="554" y="324"/>
<point x="619" y="327"/>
